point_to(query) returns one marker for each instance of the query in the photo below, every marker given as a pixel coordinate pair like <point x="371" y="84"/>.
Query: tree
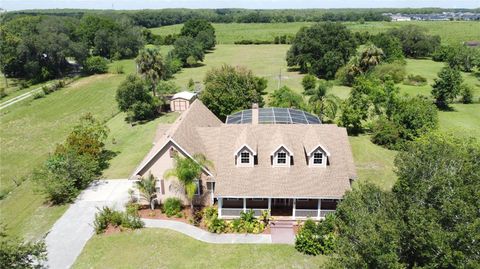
<point x="321" y="49"/>
<point x="437" y="190"/>
<point x="370" y="57"/>
<point x="186" y="46"/>
<point x="309" y="82"/>
<point x="285" y="97"/>
<point x="447" y="86"/>
<point x="16" y="254"/>
<point x="201" y="30"/>
<point x="390" y="45"/>
<point x="150" y="65"/>
<point x="368" y="235"/>
<point x="188" y="171"/>
<point x="229" y="89"/>
<point x="322" y="103"/>
<point x="415" y="41"/>
<point x="146" y="187"/>
<point x="95" y="65"/>
<point x="133" y="97"/>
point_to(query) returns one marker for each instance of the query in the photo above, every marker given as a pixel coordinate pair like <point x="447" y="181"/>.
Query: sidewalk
<point x="208" y="237"/>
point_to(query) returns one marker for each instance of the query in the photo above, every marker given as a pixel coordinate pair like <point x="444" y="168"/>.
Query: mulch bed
<point x="112" y="230"/>
<point x="147" y="213"/>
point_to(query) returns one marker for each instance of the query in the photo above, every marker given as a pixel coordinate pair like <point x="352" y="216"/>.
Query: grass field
<point x="227" y="33"/>
<point x="159" y="248"/>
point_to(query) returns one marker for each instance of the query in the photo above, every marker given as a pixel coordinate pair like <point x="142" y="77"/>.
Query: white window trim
<point x="324" y="158"/>
<point x="287" y="158"/>
<point x="251" y="154"/>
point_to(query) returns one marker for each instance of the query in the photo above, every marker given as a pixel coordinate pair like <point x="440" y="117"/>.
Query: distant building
<point x="400" y="18"/>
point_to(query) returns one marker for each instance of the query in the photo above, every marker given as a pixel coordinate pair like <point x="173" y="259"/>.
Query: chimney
<point x="255" y="113"/>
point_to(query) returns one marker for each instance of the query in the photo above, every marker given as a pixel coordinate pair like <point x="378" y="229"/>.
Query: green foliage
<point x="201" y="30"/>
<point x="228" y="89"/>
<point x="166" y="87"/>
<point x="38" y="95"/>
<point x="76" y="163"/>
<point x="368" y="235"/>
<point x="133" y="97"/>
<point x="315" y="239"/>
<point x="107" y="216"/>
<point x="95" y="65"/>
<point x="390" y="45"/>
<point x="415" y="80"/>
<point x="285" y="97"/>
<point x="172" y="206"/>
<point x="459" y="56"/>
<point x="437" y="191"/>
<point x="467" y="94"/>
<point x="146" y="187"/>
<point x="447" y="86"/>
<point x="415" y="41"/>
<point x="151" y="66"/>
<point x="394" y="70"/>
<point x="191" y="61"/>
<point x="385" y="133"/>
<point x="212" y="222"/>
<point x="3" y="93"/>
<point x="16" y="254"/>
<point x="172" y="66"/>
<point x="322" y="49"/>
<point x="369" y="57"/>
<point x="322" y="103"/>
<point x="309" y="82"/>
<point x="187" y="171"/>
<point x="186" y="46"/>
<point x="247" y="223"/>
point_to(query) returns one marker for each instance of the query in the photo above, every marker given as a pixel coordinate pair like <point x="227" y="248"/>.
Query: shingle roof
<point x="198" y="130"/>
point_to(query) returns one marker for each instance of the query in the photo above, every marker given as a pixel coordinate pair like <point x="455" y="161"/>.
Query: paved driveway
<point x="71" y="232"/>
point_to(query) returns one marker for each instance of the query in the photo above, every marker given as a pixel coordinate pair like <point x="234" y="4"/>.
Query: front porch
<point x="279" y="208"/>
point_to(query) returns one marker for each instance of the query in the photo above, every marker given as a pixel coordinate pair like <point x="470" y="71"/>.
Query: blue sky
<point x="253" y="4"/>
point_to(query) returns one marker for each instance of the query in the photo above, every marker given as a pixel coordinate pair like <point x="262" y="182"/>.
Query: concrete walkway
<point x="208" y="237"/>
<point x="71" y="232"/>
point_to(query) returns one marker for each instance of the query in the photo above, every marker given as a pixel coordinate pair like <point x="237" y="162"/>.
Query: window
<point x="317" y="157"/>
<point x="245" y="157"/>
<point x="281" y="157"/>
<point x="197" y="187"/>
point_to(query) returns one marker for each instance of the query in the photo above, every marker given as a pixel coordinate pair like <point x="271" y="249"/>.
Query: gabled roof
<point x="184" y="95"/>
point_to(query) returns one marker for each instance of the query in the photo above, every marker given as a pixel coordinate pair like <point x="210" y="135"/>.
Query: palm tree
<point x="146" y="186"/>
<point x="322" y="103"/>
<point x="150" y="65"/>
<point x="187" y="171"/>
<point x="370" y="57"/>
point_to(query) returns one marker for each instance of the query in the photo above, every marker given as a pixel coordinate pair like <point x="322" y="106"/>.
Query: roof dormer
<point x="282" y="157"/>
<point x="318" y="156"/>
<point x="245" y="156"/>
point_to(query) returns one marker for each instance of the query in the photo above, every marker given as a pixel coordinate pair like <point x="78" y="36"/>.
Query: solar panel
<point x="275" y="115"/>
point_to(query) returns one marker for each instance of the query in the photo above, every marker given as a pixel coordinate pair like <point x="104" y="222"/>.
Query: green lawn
<point x="463" y="120"/>
<point x="159" y="248"/>
<point x="227" y="33"/>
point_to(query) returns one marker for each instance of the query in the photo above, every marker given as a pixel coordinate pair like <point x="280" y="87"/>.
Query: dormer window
<point x="245" y="157"/>
<point x="318" y="157"/>
<point x="282" y="157"/>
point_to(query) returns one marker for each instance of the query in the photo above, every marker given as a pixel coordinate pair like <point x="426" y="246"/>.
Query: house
<point x="277" y="159"/>
<point x="181" y="101"/>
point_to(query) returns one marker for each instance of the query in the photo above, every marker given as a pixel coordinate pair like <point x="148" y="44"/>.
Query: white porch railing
<point x="235" y="212"/>
<point x="325" y="212"/>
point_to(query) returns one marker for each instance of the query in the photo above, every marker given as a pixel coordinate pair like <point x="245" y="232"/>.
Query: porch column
<point x="319" y="208"/>
<point x="294" y="207"/>
<point x="220" y="205"/>
<point x="244" y="204"/>
<point x="270" y="206"/>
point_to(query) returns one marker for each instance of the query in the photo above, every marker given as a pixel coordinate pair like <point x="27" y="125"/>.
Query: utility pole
<point x="279" y="79"/>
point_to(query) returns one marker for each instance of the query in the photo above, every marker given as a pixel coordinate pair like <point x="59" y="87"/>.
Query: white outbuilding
<point x="181" y="101"/>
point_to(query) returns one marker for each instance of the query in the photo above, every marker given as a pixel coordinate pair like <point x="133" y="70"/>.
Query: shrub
<point x="191" y="61"/>
<point x="217" y="225"/>
<point x="47" y="89"/>
<point x="315" y="239"/>
<point x="95" y="65"/>
<point x="306" y="243"/>
<point x="385" y="133"/>
<point x="119" y="69"/>
<point x="107" y="216"/>
<point x="395" y="71"/>
<point x="172" y="206"/>
<point x="467" y="94"/>
<point x="38" y="95"/>
<point x="415" y="80"/>
<point x="23" y="84"/>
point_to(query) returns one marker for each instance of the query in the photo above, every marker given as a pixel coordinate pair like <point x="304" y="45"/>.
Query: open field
<point x="160" y="248"/>
<point x="227" y="33"/>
